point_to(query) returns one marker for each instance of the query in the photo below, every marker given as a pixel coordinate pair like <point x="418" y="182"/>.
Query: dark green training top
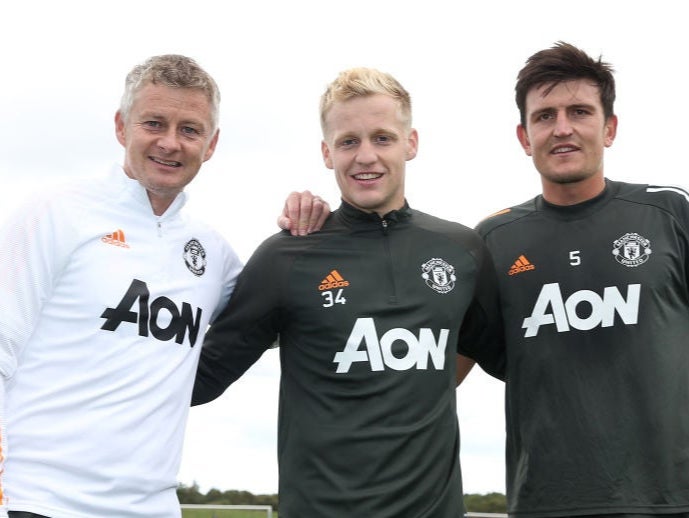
<point x="596" y="307"/>
<point x="368" y="313"/>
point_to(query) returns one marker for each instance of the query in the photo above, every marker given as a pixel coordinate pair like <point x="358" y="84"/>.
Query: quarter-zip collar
<point x="132" y="189"/>
<point x="356" y="218"/>
<point x="133" y="196"/>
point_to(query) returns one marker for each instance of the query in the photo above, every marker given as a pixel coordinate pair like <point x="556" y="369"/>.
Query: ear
<point x="119" y="128"/>
<point x="523" y="137"/>
<point x="610" y="130"/>
<point x="412" y="144"/>
<point x="211" y="146"/>
<point x="325" y="151"/>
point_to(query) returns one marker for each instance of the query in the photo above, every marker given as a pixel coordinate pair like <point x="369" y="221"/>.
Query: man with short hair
<point x="594" y="285"/>
<point x="370" y="313"/>
<point x="106" y="289"/>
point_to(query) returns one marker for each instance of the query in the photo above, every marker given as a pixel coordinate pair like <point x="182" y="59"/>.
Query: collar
<point x="579" y="210"/>
<point x="131" y="189"/>
<point x="351" y="216"/>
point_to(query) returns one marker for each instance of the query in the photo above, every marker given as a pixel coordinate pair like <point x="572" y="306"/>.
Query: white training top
<point x="103" y="307"/>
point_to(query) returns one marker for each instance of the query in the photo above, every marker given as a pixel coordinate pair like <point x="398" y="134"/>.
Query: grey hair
<point x="175" y="71"/>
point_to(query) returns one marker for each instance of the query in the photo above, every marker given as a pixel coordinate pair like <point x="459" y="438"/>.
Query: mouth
<point x="559" y="150"/>
<point x="168" y="163"/>
<point x="367" y="176"/>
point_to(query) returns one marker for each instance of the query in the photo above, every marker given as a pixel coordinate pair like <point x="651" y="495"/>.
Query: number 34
<point x="331" y="300"/>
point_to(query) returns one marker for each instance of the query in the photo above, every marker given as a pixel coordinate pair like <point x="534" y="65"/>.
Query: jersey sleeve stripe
<point x="677" y="190"/>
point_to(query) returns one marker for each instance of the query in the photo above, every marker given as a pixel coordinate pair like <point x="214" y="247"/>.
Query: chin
<point x="567" y="177"/>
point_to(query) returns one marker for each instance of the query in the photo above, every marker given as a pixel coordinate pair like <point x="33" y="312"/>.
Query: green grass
<point x="223" y="513"/>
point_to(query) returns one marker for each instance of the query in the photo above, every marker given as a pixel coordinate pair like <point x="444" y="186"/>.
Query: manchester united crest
<point x="631" y="250"/>
<point x="439" y="275"/>
<point x="195" y="257"/>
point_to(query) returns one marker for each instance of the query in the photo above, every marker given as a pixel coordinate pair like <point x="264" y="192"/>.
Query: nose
<point x="366" y="153"/>
<point x="168" y="141"/>
<point x="563" y="126"/>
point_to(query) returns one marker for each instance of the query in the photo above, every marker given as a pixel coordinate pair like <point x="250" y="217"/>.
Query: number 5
<point x="574" y="258"/>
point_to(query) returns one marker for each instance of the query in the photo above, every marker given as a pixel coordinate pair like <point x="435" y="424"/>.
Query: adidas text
<point x="332" y="285"/>
<point x="173" y="323"/>
<point x="519" y="269"/>
<point x="378" y="353"/>
<point x="564" y="312"/>
<point x="522" y="264"/>
<point x="333" y="280"/>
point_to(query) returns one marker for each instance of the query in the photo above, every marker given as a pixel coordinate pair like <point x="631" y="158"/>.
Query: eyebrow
<point x="185" y="122"/>
<point x="550" y="109"/>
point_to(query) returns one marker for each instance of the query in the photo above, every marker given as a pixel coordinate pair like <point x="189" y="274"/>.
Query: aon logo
<point x="162" y="318"/>
<point x="550" y="308"/>
<point x="363" y="345"/>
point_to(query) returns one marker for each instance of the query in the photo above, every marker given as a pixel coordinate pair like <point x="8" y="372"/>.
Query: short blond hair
<point x="175" y="71"/>
<point x="362" y="82"/>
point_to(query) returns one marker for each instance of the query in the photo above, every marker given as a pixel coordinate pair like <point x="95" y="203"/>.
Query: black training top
<point x="596" y="307"/>
<point x="368" y="314"/>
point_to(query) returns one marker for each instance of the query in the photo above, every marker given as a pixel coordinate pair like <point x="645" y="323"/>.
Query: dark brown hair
<point x="564" y="62"/>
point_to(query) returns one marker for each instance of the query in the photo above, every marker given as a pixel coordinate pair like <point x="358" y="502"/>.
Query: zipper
<point x="392" y="298"/>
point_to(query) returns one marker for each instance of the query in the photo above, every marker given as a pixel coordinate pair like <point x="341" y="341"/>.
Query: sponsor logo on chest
<point x="582" y="310"/>
<point x="160" y="317"/>
<point x="365" y="346"/>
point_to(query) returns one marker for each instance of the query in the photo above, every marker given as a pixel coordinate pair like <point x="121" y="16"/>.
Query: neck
<point x="574" y="192"/>
<point x="159" y="204"/>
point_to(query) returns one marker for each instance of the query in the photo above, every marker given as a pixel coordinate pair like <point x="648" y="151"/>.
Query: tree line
<point x="192" y="495"/>
<point x="488" y="503"/>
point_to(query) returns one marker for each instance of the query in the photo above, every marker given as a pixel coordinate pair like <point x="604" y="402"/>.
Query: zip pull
<point x="384" y="223"/>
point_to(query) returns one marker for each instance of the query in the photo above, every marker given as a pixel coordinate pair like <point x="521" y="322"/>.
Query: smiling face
<point x="167" y="135"/>
<point x="367" y="143"/>
<point x="566" y="134"/>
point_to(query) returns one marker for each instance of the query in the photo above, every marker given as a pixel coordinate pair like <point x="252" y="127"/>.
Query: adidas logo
<point x="522" y="264"/>
<point x="333" y="280"/>
<point x="116" y="238"/>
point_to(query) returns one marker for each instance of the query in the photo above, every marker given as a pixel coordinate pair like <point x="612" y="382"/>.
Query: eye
<point x="383" y="139"/>
<point x="152" y="124"/>
<point x="189" y="131"/>
<point x="348" y="142"/>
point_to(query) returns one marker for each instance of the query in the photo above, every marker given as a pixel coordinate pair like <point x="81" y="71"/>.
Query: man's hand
<point x="303" y="213"/>
<point x="464" y="365"/>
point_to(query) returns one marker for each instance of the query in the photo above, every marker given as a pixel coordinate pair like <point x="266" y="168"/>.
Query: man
<point x="595" y="299"/>
<point x="106" y="288"/>
<point x="369" y="313"/>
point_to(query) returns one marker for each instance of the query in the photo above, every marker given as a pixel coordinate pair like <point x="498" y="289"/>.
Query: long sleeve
<point x="248" y="325"/>
<point x="3" y="448"/>
<point x="33" y="250"/>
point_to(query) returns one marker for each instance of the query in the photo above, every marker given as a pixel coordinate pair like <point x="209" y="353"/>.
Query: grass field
<point x="224" y="513"/>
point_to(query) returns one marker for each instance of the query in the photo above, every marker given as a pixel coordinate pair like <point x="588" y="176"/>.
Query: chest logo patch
<point x="631" y="250"/>
<point x="195" y="257"/>
<point x="439" y="275"/>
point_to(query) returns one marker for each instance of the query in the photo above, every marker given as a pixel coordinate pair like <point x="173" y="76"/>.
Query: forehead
<point x="166" y="101"/>
<point x="566" y="93"/>
<point x="364" y="114"/>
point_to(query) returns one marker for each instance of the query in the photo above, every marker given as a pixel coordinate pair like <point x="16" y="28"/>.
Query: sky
<point x="64" y="68"/>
